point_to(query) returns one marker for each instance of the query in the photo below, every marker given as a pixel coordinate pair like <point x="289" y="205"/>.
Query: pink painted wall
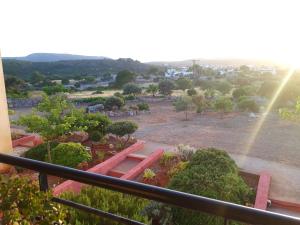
<point x="146" y="163"/>
<point x="262" y="193"/>
<point x="101" y="168"/>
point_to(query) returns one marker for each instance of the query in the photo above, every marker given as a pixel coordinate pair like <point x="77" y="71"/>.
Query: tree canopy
<point x="124" y="77"/>
<point x="166" y="87"/>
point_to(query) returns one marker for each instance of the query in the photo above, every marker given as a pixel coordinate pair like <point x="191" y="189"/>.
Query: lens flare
<point x="262" y="119"/>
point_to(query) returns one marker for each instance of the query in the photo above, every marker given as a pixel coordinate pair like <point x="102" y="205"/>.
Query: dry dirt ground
<point x="275" y="149"/>
<point x="277" y="140"/>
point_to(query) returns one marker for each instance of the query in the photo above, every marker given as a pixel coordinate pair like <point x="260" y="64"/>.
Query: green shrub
<point x="112" y="102"/>
<point x="69" y="154"/>
<point x="177" y="168"/>
<point x="39" y="152"/>
<point x="131" y="88"/>
<point x="148" y="174"/>
<point x="247" y="104"/>
<point x="92" y="100"/>
<point x="167" y="158"/>
<point x="23" y="203"/>
<point x="210" y="173"/>
<point x="122" y="128"/>
<point x="143" y="106"/>
<point x="129" y="97"/>
<point x="191" y="92"/>
<point x="95" y="122"/>
<point x="106" y="200"/>
<point x="119" y="95"/>
<point x="96" y="136"/>
<point x="239" y="93"/>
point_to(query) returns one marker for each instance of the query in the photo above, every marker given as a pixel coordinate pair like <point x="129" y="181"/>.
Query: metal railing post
<point x="43" y="182"/>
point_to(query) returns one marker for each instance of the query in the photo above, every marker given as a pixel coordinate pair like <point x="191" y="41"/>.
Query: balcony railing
<point x="228" y="211"/>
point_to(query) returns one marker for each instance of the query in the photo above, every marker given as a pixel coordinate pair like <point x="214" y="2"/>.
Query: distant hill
<point x="71" y="68"/>
<point x="53" y="57"/>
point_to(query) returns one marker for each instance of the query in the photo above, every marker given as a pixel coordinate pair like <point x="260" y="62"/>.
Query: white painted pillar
<point x="5" y="134"/>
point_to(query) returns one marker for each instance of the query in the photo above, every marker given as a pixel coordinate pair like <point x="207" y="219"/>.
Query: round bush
<point x="39" y="152"/>
<point x="69" y="154"/>
<point x="246" y="104"/>
<point x="122" y="128"/>
<point x="191" y="92"/>
<point x="210" y="173"/>
<point x="112" y="102"/>
<point x="143" y="106"/>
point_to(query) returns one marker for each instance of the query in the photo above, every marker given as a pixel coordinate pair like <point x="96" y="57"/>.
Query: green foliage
<point x="51" y="90"/>
<point x="223" y="104"/>
<point x="148" y="174"/>
<point x="131" y="88"/>
<point x="143" y="106"/>
<point x="112" y="102"/>
<point x="239" y="92"/>
<point x="93" y="122"/>
<point x="167" y="158"/>
<point x="37" y="78"/>
<point x="122" y="128"/>
<point x="39" y="152"/>
<point x="15" y="87"/>
<point x="106" y="200"/>
<point x="291" y="114"/>
<point x="223" y="86"/>
<point x="129" y="97"/>
<point x="153" y="89"/>
<point x="247" y="104"/>
<point x="124" y="77"/>
<point x="92" y="101"/>
<point x="184" y="103"/>
<point x="23" y="203"/>
<point x="119" y="95"/>
<point x="183" y="83"/>
<point x="53" y="117"/>
<point x="166" y="87"/>
<point x="210" y="173"/>
<point x="268" y="88"/>
<point x="96" y="136"/>
<point x="200" y="103"/>
<point x="177" y="168"/>
<point x="72" y="69"/>
<point x="191" y="92"/>
<point x="69" y="154"/>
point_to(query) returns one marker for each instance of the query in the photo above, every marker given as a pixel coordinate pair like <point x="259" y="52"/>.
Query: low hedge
<point x="108" y="201"/>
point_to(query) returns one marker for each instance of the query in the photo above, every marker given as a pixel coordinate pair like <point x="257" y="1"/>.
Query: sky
<point x="153" y="30"/>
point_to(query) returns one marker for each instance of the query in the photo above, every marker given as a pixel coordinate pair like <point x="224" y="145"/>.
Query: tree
<point x="184" y="103"/>
<point x="223" y="105"/>
<point x="153" y="89"/>
<point x="239" y="92"/>
<point x="124" y="77"/>
<point x="200" y="103"/>
<point x="37" y="78"/>
<point x="15" y="87"/>
<point x="223" y="86"/>
<point x="58" y="88"/>
<point x="247" y="104"/>
<point x="123" y="128"/>
<point x="191" y="92"/>
<point x="213" y="174"/>
<point x="65" y="81"/>
<point x="112" y="102"/>
<point x="183" y="83"/>
<point x="131" y="88"/>
<point x="165" y="87"/>
<point x="53" y="117"/>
